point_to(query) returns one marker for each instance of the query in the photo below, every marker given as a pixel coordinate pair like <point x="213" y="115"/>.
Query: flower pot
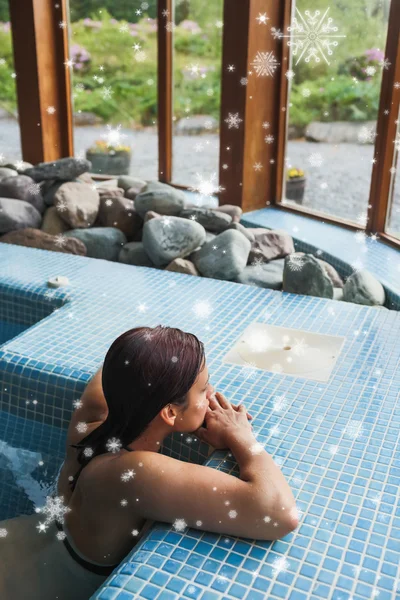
<point x="295" y="188"/>
<point x="116" y="163"/>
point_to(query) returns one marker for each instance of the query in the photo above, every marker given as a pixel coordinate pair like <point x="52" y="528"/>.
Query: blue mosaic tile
<point x="336" y="442"/>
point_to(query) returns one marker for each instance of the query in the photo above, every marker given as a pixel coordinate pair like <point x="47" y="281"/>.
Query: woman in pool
<point x="114" y="483"/>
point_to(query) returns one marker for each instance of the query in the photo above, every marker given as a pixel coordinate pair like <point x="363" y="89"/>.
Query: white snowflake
<point x="113" y="137"/>
<point x="170" y="26"/>
<point x="295" y="262"/>
<point x="397" y="141"/>
<point x="257" y="166"/>
<point x="140" y="56"/>
<point x="366" y="134"/>
<point x="62" y="24"/>
<point x="34" y="189"/>
<point x="262" y="18"/>
<point x="306" y="92"/>
<point x="397" y="85"/>
<point x="312" y="36"/>
<point x="81" y="427"/>
<point x="179" y="524"/>
<point x="124" y="28"/>
<point x="54" y="509"/>
<point x="206" y="187"/>
<point x="269" y="139"/>
<point x="106" y="92"/>
<point x="290" y="74"/>
<point x="233" y="120"/>
<point x="276" y="33"/>
<point x="299" y="347"/>
<point x="51" y="110"/>
<point x="315" y="159"/>
<point x="370" y="71"/>
<point x="385" y="63"/>
<point x="113" y="445"/>
<point x="244" y="81"/>
<point x="265" y="64"/>
<point x="353" y="429"/>
<point x="266" y="125"/>
<point x="230" y="68"/>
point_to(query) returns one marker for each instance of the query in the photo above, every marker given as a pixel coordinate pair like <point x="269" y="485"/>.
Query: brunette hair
<point x="144" y="369"/>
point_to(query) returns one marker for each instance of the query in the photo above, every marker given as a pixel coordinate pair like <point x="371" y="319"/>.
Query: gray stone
<point x="107" y="183"/>
<point x="228" y="260"/>
<point x="22" y="187"/>
<point x="266" y="275"/>
<point x="246" y="232"/>
<point x="234" y="211"/>
<point x="304" y="275"/>
<point x="339" y="132"/>
<point x="196" y="124"/>
<point x="133" y="253"/>
<point x="101" y="242"/>
<point x="77" y="204"/>
<point x="19" y="166"/>
<point x="126" y="181"/>
<point x="49" y="191"/>
<point x="52" y="222"/>
<point x="64" y="168"/>
<point x="110" y="192"/>
<point x="151" y="214"/>
<point x="17" y="214"/>
<point x="6" y="172"/>
<point x="119" y="212"/>
<point x="182" y="265"/>
<point x="363" y="288"/>
<point x="329" y="270"/>
<point x="177" y="238"/>
<point x="212" y="220"/>
<point x="166" y="202"/>
<point x="270" y="244"/>
<point x="35" y="238"/>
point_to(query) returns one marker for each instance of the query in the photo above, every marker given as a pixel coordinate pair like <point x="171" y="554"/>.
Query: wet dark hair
<point x="144" y="369"/>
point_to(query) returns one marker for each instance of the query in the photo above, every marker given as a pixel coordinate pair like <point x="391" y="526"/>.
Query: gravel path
<point x="339" y="186"/>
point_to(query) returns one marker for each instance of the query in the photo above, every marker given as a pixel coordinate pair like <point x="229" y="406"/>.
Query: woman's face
<point x="199" y="400"/>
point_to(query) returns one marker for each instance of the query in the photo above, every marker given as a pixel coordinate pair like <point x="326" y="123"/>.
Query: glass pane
<point x="337" y="60"/>
<point x="393" y="214"/>
<point x="197" y="61"/>
<point x="114" y="85"/>
<point x="10" y="142"/>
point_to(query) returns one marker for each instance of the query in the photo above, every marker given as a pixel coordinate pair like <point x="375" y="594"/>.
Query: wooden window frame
<point x="41" y="50"/>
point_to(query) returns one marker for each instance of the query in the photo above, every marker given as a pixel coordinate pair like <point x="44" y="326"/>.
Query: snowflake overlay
<point x="312" y="37"/>
<point x="265" y="64"/>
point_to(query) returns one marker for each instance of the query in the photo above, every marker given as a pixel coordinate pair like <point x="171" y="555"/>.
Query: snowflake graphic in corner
<point x="265" y="64"/>
<point x="312" y="36"/>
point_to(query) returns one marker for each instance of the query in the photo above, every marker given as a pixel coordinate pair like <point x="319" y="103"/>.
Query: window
<point x="10" y="144"/>
<point x="113" y="48"/>
<point x="393" y="215"/>
<point x="197" y="57"/>
<point x="337" y="60"/>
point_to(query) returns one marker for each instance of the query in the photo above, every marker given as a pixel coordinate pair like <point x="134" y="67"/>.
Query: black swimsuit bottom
<point x="87" y="565"/>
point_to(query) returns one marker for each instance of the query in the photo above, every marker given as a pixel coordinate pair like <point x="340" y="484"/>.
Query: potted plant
<point x="108" y="159"/>
<point x="295" y="185"/>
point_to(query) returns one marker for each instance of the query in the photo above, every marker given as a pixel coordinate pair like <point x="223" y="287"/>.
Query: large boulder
<point x="182" y="265"/>
<point x="167" y="238"/>
<point x="304" y="275"/>
<point x="212" y="220"/>
<point x="7" y="172"/>
<point x="119" y="212"/>
<point x="266" y="275"/>
<point x="270" y="244"/>
<point x="18" y="214"/>
<point x="127" y="182"/>
<point x="110" y="192"/>
<point x="329" y="270"/>
<point x="166" y="201"/>
<point x="234" y="211"/>
<point x="64" y="168"/>
<point x="101" y="242"/>
<point x="133" y="253"/>
<point x="18" y="165"/>
<point x="224" y="257"/>
<point x="77" y="204"/>
<point x="22" y="187"/>
<point x="246" y="232"/>
<point x="34" y="238"/>
<point x="52" y="222"/>
<point x="363" y="288"/>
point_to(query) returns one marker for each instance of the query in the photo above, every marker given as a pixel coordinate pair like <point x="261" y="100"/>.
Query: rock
<point x="52" y="222"/>
<point x="6" y="172"/>
<point x="127" y="181"/>
<point x="64" y="168"/>
<point x="228" y="260"/>
<point x="362" y="288"/>
<point x="340" y="131"/>
<point x="212" y="220"/>
<point x="132" y="192"/>
<point x="244" y="230"/>
<point x="196" y="124"/>
<point x="107" y="183"/>
<point x="134" y="253"/>
<point x="17" y="214"/>
<point x="167" y="202"/>
<point x="108" y="192"/>
<point x="85" y="178"/>
<point x="266" y="275"/>
<point x="35" y="238"/>
<point x="177" y="238"/>
<point x="181" y="265"/>
<point x="120" y="212"/>
<point x="151" y="214"/>
<point x="22" y="187"/>
<point x="304" y="275"/>
<point x="77" y="204"/>
<point x="209" y="236"/>
<point x="234" y="211"/>
<point x="338" y="293"/>
<point x="270" y="244"/>
<point x="18" y="165"/>
<point x="100" y="242"/>
<point x="329" y="270"/>
<point x="83" y="117"/>
<point x="49" y="191"/>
